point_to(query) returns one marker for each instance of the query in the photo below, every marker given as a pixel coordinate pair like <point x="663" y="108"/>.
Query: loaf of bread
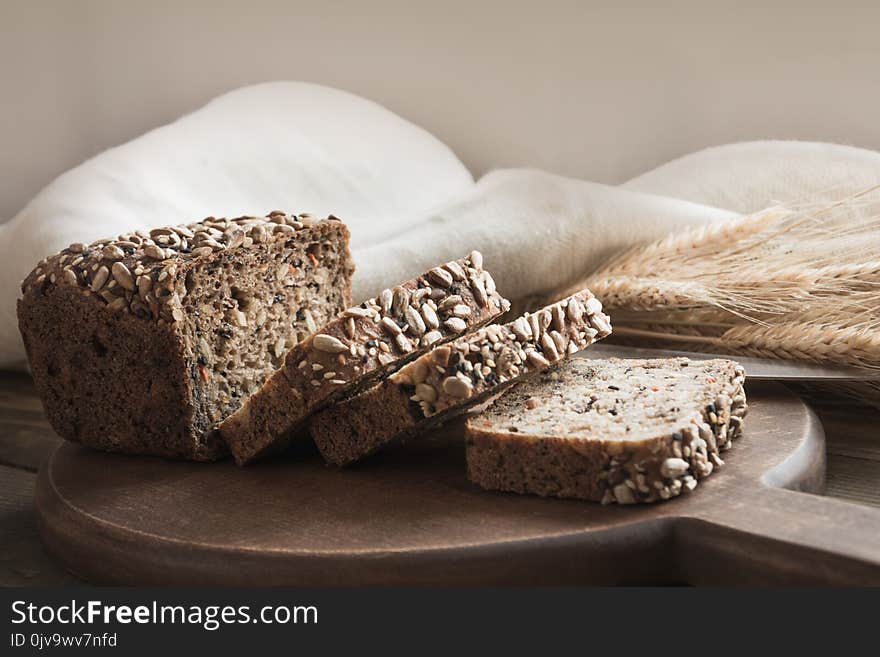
<point x="144" y="343"/>
<point x="455" y="377"/>
<point x="353" y="350"/>
<point x="623" y="431"/>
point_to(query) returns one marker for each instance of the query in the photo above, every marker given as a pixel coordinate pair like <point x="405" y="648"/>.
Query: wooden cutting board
<point x="409" y="516"/>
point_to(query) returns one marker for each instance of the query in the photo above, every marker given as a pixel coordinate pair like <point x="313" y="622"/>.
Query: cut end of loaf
<point x="615" y="431"/>
<point x="143" y="343"/>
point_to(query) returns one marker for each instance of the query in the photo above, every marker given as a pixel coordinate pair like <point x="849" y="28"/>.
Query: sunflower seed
<point x="450" y="302"/>
<point x="455" y="324"/>
<point x="311" y="325"/>
<point x="461" y="310"/>
<point x="536" y="360"/>
<point x="257" y="233"/>
<point x="535" y="327"/>
<point x="418" y="295"/>
<point x="390" y="325"/>
<point x="601" y="323"/>
<point x="431" y="337"/>
<point x="70" y="277"/>
<point x="489" y="282"/>
<point x="403" y="343"/>
<point x="328" y="344"/>
<point x="594" y="306"/>
<point x="119" y="303"/>
<point x="203" y="251"/>
<point x="399" y="300"/>
<point x="356" y="312"/>
<point x="560" y="340"/>
<point x="386" y="298"/>
<point x="457" y="387"/>
<point x="476" y="259"/>
<point x="234" y="238"/>
<point x="545" y="319"/>
<point x="111" y="252"/>
<point x="558" y="315"/>
<point x="154" y="252"/>
<point x="672" y="468"/>
<point x="279" y="347"/>
<point x="415" y="321"/>
<point x="430" y="317"/>
<point x="574" y="311"/>
<point x="440" y="276"/>
<point x="123" y="276"/>
<point x="479" y="291"/>
<point x="549" y="347"/>
<point x="521" y="329"/>
<point x="144" y="285"/>
<point x="100" y="278"/>
<point x="350" y="328"/>
<point x="455" y="269"/>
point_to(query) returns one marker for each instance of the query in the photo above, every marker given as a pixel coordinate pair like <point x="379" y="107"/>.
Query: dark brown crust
<point x="613" y="470"/>
<point x="313" y="375"/>
<point x="123" y="377"/>
<point x="110" y="380"/>
<point x="421" y="396"/>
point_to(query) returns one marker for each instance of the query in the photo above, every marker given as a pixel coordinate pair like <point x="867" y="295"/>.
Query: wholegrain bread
<point x="144" y="343"/>
<point x="455" y="377"/>
<point x="623" y="431"/>
<point x="359" y="346"/>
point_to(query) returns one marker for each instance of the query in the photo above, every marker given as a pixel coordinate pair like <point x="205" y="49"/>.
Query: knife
<point x="757" y="369"/>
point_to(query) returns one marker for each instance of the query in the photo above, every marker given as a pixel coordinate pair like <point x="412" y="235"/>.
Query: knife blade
<point x="758" y="369"/>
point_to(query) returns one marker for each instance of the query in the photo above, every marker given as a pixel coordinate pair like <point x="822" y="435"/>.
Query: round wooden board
<point x="409" y="516"/>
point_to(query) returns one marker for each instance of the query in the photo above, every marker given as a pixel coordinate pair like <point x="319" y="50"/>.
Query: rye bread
<point x="363" y="343"/>
<point x="455" y="377"/>
<point x="144" y="343"/>
<point x="611" y="431"/>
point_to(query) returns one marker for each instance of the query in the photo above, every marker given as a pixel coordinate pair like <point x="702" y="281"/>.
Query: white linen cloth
<point x="407" y="199"/>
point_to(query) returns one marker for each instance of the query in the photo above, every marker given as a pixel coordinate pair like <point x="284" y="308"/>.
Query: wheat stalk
<point x="799" y="283"/>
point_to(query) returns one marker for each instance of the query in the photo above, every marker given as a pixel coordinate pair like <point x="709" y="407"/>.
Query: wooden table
<point x="26" y="439"/>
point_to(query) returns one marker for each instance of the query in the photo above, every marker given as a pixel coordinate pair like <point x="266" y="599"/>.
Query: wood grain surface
<point x="853" y="456"/>
<point x="409" y="516"/>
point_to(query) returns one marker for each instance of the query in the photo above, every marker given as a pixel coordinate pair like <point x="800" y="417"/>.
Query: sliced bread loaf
<point x="353" y="350"/>
<point x="622" y="431"/>
<point x="454" y="377"/>
<point x="143" y="343"/>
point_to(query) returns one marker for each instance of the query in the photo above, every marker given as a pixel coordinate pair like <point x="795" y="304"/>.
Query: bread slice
<point x="455" y="377"/>
<point x="144" y="343"/>
<point x="353" y="350"/>
<point x="623" y="431"/>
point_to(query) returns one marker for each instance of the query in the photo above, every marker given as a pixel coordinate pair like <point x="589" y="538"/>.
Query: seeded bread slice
<point x="455" y="377"/>
<point x="143" y="343"/>
<point x="353" y="350"/>
<point x="623" y="431"/>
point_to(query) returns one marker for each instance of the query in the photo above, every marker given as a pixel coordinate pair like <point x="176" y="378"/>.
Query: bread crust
<point x="649" y="468"/>
<point x="455" y="377"/>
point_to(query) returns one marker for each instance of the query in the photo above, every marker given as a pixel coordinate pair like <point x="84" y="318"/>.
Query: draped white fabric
<point x="407" y="199"/>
